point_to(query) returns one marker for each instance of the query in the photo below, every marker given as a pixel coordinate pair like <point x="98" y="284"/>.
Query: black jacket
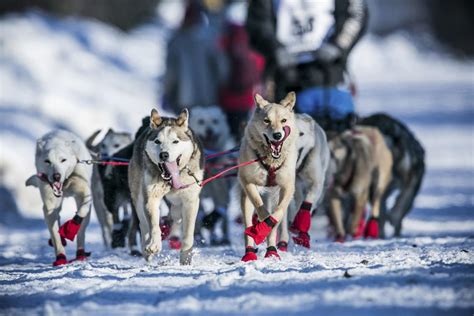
<point x="350" y="23"/>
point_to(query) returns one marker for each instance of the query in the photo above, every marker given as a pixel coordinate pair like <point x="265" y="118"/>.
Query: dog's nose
<point x="56" y="176"/>
<point x="164" y="155"/>
<point x="277" y="136"/>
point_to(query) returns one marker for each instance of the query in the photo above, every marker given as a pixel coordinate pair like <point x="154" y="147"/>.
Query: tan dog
<point x="361" y="167"/>
<point x="270" y="137"/>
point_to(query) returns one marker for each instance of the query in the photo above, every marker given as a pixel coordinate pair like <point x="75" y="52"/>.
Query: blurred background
<point x="84" y="65"/>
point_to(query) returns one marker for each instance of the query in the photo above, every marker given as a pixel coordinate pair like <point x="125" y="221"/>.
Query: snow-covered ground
<point x="84" y="75"/>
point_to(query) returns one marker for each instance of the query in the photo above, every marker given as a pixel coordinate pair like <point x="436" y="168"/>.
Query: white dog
<point x="59" y="175"/>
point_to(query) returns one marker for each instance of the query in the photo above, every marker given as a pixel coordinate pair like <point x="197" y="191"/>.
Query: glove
<point x="69" y="229"/>
<point x="328" y="53"/>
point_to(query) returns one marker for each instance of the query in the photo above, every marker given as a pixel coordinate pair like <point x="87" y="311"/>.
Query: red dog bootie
<point x="282" y="246"/>
<point x="165" y="226"/>
<point x="63" y="241"/>
<point x="302" y="221"/>
<point x="272" y="253"/>
<point x="261" y="230"/>
<point x="302" y="239"/>
<point x="250" y="254"/>
<point x="81" y="255"/>
<point x="360" y="228"/>
<point x="340" y="238"/>
<point x="60" y="260"/>
<point x="69" y="229"/>
<point x="254" y="219"/>
<point x="372" y="228"/>
<point x="174" y="243"/>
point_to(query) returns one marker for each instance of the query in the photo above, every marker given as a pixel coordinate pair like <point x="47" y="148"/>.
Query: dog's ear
<point x="182" y="119"/>
<point x="155" y="119"/>
<point x="289" y="101"/>
<point x="260" y="101"/>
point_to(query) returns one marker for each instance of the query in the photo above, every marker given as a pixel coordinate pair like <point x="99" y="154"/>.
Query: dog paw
<point x="153" y="246"/>
<point x="186" y="257"/>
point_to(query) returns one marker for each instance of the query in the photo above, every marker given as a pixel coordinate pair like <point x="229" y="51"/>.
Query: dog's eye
<point x="266" y="121"/>
<point x="48" y="161"/>
<point x="301" y="133"/>
<point x="63" y="160"/>
<point x="283" y="121"/>
<point x="116" y="145"/>
<point x="157" y="142"/>
<point x="175" y="141"/>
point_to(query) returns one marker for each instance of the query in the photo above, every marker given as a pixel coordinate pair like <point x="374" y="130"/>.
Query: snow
<point x="83" y="75"/>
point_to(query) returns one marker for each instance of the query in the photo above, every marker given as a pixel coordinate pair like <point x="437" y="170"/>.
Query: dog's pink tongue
<point x="57" y="188"/>
<point x="173" y="170"/>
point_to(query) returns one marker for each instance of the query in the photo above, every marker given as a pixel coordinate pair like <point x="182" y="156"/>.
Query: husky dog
<point x="210" y="125"/>
<point x="59" y="175"/>
<point x="408" y="168"/>
<point x="311" y="168"/>
<point x="167" y="162"/>
<point x="269" y="140"/>
<point x="110" y="143"/>
<point x="361" y="168"/>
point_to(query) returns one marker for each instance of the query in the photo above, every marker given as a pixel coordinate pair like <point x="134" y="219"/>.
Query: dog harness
<point x="271" y="176"/>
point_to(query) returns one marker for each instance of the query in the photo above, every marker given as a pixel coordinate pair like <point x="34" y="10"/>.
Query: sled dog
<point x="360" y="169"/>
<point x="408" y="167"/>
<point x="210" y="125"/>
<point x="269" y="139"/>
<point x="109" y="222"/>
<point x="167" y="162"/>
<point x="59" y="175"/>
<point x="311" y="168"/>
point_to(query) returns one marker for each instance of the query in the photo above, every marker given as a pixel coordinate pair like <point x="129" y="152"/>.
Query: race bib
<point x="303" y="25"/>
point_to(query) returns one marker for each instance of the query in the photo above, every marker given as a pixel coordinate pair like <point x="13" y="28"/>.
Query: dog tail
<point x="32" y="181"/>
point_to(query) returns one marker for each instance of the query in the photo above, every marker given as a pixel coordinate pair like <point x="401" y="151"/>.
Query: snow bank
<point x="395" y="59"/>
<point x="74" y="74"/>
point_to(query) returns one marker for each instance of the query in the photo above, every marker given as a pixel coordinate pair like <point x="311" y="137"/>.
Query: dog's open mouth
<point x="57" y="188"/>
<point x="276" y="146"/>
<point x="170" y="172"/>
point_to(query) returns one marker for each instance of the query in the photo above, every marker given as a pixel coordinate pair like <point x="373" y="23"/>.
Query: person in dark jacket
<point x="306" y="45"/>
<point x="195" y="66"/>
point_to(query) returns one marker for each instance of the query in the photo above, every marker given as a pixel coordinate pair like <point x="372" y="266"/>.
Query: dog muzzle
<point x="276" y="146"/>
<point x="57" y="186"/>
<point x="170" y="172"/>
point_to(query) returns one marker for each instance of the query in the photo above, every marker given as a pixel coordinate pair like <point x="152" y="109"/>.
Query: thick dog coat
<point x="270" y="137"/>
<point x="59" y="175"/>
<point x="167" y="162"/>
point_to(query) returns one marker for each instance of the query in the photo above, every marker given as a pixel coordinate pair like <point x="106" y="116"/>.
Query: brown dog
<point x="361" y="166"/>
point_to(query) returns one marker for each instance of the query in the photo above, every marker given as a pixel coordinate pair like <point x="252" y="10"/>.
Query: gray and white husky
<point x="59" y="175"/>
<point x="311" y="168"/>
<point x="167" y="162"/>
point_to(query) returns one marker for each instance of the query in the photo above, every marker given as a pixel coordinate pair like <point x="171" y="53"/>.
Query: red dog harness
<point x="271" y="177"/>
